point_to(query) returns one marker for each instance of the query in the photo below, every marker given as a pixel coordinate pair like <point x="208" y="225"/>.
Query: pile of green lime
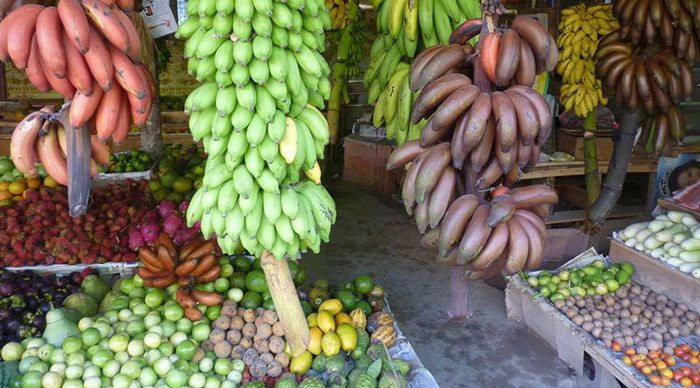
<point x="594" y="278"/>
<point x="9" y="173"/>
<point x="179" y="173"/>
<point x="130" y="161"/>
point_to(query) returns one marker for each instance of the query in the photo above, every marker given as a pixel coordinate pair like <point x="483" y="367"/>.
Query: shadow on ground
<point x="373" y="235"/>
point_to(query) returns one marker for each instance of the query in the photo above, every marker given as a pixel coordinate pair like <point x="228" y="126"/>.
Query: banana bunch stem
<point x="591" y="159"/>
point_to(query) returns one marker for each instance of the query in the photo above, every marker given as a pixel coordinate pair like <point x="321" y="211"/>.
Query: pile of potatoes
<point x="254" y="336"/>
<point x="632" y="317"/>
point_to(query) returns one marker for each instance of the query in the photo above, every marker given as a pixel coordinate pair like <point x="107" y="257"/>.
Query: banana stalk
<point x="591" y="159"/>
<point x="340" y="76"/>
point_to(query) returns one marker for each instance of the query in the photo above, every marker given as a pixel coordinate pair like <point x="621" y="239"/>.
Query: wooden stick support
<point x="284" y="294"/>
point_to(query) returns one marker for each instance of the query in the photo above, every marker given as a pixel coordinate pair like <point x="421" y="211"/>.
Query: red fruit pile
<point x="39" y="230"/>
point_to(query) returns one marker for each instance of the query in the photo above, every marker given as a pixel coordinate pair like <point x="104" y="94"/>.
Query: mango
<point x="330" y="344"/>
<point x="325" y="321"/>
<point x="312" y="320"/>
<point x="341" y="318"/>
<point x="333" y="306"/>
<point x="315" y="342"/>
<point x="348" y="337"/>
<point x="301" y="363"/>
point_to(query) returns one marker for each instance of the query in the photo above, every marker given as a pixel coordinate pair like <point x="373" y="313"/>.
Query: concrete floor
<point x="373" y="235"/>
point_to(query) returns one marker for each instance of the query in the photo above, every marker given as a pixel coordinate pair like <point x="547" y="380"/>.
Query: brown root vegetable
<point x="276" y="344"/>
<point x="642" y="350"/>
<point x="260" y="311"/>
<point x="578" y="320"/>
<point x="236" y="323"/>
<point x="270" y="317"/>
<point x="249" y="330"/>
<point x="249" y="315"/>
<point x="207" y="345"/>
<point x="685" y="330"/>
<point x="267" y="357"/>
<point x="246" y="342"/>
<point x="597" y="315"/>
<point x="223" y="322"/>
<point x="229" y="308"/>
<point x="198" y="355"/>
<point x="274" y="369"/>
<point x="597" y="332"/>
<point x="580" y="303"/>
<point x="277" y="329"/>
<point x="264" y="330"/>
<point x="283" y="359"/>
<point x="222" y="349"/>
<point x="258" y="369"/>
<point x="587" y="326"/>
<point x="560" y="303"/>
<point x="259" y="320"/>
<point x="217" y="335"/>
<point x="237" y="352"/>
<point x="250" y="356"/>
<point x="233" y="337"/>
<point x="261" y="345"/>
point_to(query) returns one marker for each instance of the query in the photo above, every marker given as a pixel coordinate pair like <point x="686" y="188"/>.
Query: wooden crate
<point x="595" y="367"/>
<point x="659" y="276"/>
<point x="573" y="145"/>
<point x="364" y="163"/>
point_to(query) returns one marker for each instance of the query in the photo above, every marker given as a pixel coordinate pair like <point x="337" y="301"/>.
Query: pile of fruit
<point x="673" y="238"/>
<point x="167" y="218"/>
<point x="39" y="230"/>
<point x="658" y="366"/>
<point x="593" y="279"/>
<point x="10" y="173"/>
<point x="13" y="191"/>
<point x="130" y="161"/>
<point x="254" y="336"/>
<point x="179" y="173"/>
<point x="26" y="297"/>
<point x="89" y="52"/>
<point x="579" y="30"/>
<point x="632" y="317"/>
<point x="188" y="266"/>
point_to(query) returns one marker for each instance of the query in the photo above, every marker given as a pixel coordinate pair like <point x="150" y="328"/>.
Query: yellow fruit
<point x="17" y="198"/>
<point x="50" y="182"/>
<point x="341" y="318"/>
<point x="348" y="337"/>
<point x="333" y="306"/>
<point x="33" y="183"/>
<point x="330" y="343"/>
<point x="385" y="335"/>
<point x="359" y="319"/>
<point x="16" y="188"/>
<point x="301" y="363"/>
<point x="311" y="319"/>
<point x="315" y="342"/>
<point x="4" y="185"/>
<point x="5" y="195"/>
<point x="325" y="321"/>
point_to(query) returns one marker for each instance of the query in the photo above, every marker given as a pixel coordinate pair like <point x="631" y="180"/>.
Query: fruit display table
<point x="595" y="363"/>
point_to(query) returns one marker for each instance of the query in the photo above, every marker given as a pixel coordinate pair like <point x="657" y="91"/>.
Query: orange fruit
<point x="5" y="195"/>
<point x="33" y="183"/>
<point x="16" y="188"/>
<point x="50" y="182"/>
<point x="4" y="185"/>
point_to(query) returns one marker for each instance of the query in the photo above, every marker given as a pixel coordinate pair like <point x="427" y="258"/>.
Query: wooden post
<point x="284" y="294"/>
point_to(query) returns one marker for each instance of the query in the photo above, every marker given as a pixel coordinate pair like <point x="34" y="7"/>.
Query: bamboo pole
<point x="591" y="160"/>
<point x="284" y="294"/>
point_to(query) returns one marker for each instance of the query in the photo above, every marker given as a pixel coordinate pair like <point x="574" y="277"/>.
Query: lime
<point x="347" y="298"/>
<point x="364" y="306"/>
<point x="182" y="185"/>
<point x="91" y="336"/>
<point x="241" y="264"/>
<point x="221" y="285"/>
<point x="154" y="297"/>
<point x="251" y="300"/>
<point x="237" y="280"/>
<point x="186" y="349"/>
<point x="268" y="304"/>
<point x="363" y="284"/>
<point x="213" y="312"/>
<point x="31" y="379"/>
<point x="6" y="166"/>
<point x="255" y="281"/>
<point x="71" y="344"/>
<point x="168" y="179"/>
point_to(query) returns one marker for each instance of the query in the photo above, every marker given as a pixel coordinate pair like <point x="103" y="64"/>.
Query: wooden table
<point x="553" y="170"/>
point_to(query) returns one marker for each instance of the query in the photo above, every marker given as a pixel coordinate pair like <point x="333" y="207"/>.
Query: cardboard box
<point x="573" y="145"/>
<point x="365" y="164"/>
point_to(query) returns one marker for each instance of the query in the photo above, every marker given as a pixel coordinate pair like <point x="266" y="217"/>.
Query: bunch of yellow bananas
<point x="339" y="12"/>
<point x="580" y="29"/>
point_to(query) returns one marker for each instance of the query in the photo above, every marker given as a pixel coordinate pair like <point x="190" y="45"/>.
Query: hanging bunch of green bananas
<point x="360" y="33"/>
<point x="256" y="112"/>
<point x="580" y="29"/>
<point x="407" y="26"/>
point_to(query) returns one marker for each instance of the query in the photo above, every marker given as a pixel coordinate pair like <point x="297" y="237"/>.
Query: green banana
<point x="272" y="206"/>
